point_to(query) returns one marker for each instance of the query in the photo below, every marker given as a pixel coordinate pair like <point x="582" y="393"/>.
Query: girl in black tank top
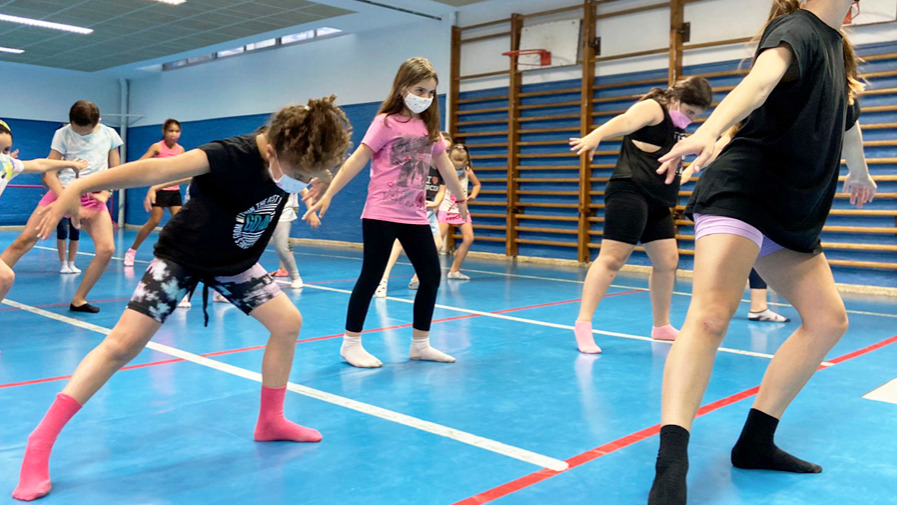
<point x="637" y="201"/>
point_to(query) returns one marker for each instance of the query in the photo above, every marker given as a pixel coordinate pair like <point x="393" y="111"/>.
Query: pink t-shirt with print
<point x="401" y="162"/>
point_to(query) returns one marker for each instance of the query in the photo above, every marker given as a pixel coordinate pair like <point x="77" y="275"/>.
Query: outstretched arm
<point x="42" y="165"/>
<point x="346" y="173"/>
<point x="130" y="175"/>
<point x="751" y="93"/>
<point x="641" y="114"/>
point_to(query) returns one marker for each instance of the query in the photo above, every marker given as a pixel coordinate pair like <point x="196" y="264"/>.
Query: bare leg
<point x="722" y="265"/>
<point x="129" y="336"/>
<point x="611" y="258"/>
<point x="806" y="281"/>
<point x="7" y="278"/>
<point x="24" y="242"/>
<point x="148" y="227"/>
<point x="461" y="252"/>
<point x="284" y="321"/>
<point x="99" y="227"/>
<point x="73" y="250"/>
<point x="664" y="255"/>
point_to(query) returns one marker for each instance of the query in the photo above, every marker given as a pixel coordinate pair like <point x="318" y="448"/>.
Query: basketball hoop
<point x="848" y="19"/>
<point x="544" y="56"/>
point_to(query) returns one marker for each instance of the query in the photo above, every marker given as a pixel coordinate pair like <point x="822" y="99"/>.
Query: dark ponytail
<point x="694" y="90"/>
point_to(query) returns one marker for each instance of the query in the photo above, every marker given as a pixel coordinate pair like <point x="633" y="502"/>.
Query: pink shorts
<point x="453" y="218"/>
<point x="90" y="204"/>
<point x="712" y="225"/>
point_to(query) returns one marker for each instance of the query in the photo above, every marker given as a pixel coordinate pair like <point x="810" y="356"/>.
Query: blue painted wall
<point x="342" y="219"/>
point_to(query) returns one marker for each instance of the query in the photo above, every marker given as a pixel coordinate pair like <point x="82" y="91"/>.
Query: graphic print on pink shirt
<point x="412" y="155"/>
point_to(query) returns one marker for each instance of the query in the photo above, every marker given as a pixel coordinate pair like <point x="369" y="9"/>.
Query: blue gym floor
<point x="498" y="426"/>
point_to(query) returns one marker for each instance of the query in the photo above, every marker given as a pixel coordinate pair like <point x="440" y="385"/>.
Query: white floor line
<point x="572" y="281"/>
<point x="372" y="410"/>
<point x="541" y="323"/>
<point x="519" y="276"/>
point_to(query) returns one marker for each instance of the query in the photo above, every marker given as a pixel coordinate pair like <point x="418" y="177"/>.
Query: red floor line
<point x="591" y="455"/>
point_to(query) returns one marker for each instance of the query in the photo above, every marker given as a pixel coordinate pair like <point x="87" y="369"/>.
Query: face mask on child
<point x="417" y="104"/>
<point x="680" y="119"/>
<point x="285" y="182"/>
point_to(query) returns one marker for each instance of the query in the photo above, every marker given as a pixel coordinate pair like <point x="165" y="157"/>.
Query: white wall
<point x="359" y="67"/>
<point x="711" y="20"/>
<point x="47" y="94"/>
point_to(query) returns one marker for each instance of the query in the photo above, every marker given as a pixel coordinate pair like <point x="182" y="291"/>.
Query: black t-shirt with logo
<point x="224" y="227"/>
<point x="434" y="180"/>
<point x="780" y="171"/>
<point x="641" y="166"/>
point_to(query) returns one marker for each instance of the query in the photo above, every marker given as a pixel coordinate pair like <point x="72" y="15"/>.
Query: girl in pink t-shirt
<point x="402" y="141"/>
<point x="161" y="196"/>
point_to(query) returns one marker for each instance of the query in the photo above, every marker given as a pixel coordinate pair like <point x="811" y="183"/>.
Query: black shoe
<point x="90" y="309"/>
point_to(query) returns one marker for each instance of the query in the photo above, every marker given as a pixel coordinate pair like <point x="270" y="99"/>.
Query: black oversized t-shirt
<point x="780" y="171"/>
<point x="434" y="180"/>
<point x="641" y="166"/>
<point x="224" y="227"/>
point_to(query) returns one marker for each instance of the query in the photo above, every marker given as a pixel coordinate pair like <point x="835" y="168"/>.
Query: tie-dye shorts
<point x="165" y="283"/>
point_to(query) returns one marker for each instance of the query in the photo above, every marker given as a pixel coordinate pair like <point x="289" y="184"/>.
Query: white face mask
<point x="285" y="182"/>
<point x="417" y="104"/>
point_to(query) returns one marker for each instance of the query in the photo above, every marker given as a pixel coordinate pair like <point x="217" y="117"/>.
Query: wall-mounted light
<point x="11" y="50"/>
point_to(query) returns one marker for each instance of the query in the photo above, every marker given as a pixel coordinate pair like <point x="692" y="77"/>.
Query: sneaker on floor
<point x="219" y="298"/>
<point x="767" y="316"/>
<point x="130" y="254"/>
<point x="414" y="284"/>
<point x="73" y="268"/>
<point x="88" y="308"/>
<point x="381" y="289"/>
<point x="185" y="303"/>
<point x="280" y="273"/>
<point x="458" y="275"/>
<point x="297" y="283"/>
<point x="64" y="269"/>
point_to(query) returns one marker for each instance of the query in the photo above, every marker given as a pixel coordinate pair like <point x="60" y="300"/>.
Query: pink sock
<point x="666" y="332"/>
<point x="273" y="426"/>
<point x="34" y="479"/>
<point x="582" y="330"/>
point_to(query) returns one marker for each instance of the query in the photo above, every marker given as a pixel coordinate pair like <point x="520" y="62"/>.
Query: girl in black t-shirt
<point x="240" y="186"/>
<point x="763" y="203"/>
<point x="637" y="202"/>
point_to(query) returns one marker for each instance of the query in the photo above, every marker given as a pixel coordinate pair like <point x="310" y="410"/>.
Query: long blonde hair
<point x="413" y="71"/>
<point x="855" y="83"/>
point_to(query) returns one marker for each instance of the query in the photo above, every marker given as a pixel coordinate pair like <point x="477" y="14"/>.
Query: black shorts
<point x="165" y="283"/>
<point x="632" y="217"/>
<point x="168" y="198"/>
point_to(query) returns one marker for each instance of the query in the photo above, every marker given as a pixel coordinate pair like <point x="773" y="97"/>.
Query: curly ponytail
<point x="311" y="137"/>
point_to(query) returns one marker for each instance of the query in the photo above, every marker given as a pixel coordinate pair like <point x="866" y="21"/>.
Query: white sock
<point x="353" y="352"/>
<point x="421" y="350"/>
<point x="73" y="268"/>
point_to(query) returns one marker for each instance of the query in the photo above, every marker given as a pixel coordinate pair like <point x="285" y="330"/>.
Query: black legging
<point x="755" y="281"/>
<point x="417" y="240"/>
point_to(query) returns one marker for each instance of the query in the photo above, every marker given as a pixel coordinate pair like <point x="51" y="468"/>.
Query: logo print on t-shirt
<point x="412" y="154"/>
<point x="252" y="223"/>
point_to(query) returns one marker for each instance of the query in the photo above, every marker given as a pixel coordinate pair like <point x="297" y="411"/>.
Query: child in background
<point x="11" y="167"/>
<point x="65" y="230"/>
<point x="161" y="196"/>
<point x="435" y="194"/>
<point x="448" y="211"/>
<point x="403" y="140"/>
<point x="84" y="137"/>
<point x="281" y="241"/>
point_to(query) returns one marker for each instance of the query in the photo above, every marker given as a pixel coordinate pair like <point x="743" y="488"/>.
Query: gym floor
<point x="521" y="418"/>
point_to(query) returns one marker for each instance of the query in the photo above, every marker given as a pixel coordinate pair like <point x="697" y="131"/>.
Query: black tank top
<point x="641" y="167"/>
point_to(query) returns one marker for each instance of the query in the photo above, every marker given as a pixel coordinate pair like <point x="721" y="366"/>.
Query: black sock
<point x="755" y="449"/>
<point x="84" y="308"/>
<point x="672" y="465"/>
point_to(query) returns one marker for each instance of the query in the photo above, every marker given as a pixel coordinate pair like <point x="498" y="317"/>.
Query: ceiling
<point x="129" y="31"/>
